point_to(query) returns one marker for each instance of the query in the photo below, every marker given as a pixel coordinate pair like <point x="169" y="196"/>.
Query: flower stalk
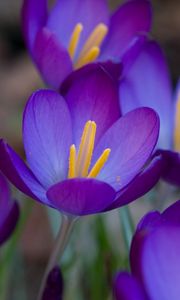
<point x="127" y="225"/>
<point x="59" y="247"/>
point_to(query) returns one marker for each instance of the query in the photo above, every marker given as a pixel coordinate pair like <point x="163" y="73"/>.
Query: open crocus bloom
<point x="154" y="259"/>
<point x="152" y="88"/>
<point x="9" y="211"/>
<point x="83" y="157"/>
<point x="75" y="32"/>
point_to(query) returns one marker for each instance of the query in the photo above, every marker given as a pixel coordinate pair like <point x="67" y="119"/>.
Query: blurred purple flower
<point x="9" y="211"/>
<point x="152" y="88"/>
<point x="83" y="157"/>
<point x="54" y="285"/>
<point x="74" y="32"/>
<point x="154" y="259"/>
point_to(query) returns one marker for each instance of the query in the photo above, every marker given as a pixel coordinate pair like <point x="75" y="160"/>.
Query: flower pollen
<point x="79" y="163"/>
<point x="91" y="48"/>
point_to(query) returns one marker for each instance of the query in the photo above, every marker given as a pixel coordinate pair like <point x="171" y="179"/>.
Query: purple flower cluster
<point x="95" y="143"/>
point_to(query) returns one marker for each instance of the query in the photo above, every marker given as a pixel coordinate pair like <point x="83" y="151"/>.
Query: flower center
<point x="177" y="126"/>
<point x="91" y="48"/>
<point x="79" y="163"/>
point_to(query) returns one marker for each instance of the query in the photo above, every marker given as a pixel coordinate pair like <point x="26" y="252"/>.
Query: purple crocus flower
<point x="9" y="211"/>
<point x="74" y="33"/>
<point x="152" y="88"/>
<point x="154" y="259"/>
<point x="82" y="156"/>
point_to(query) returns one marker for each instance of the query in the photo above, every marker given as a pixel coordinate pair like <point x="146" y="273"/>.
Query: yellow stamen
<point x="79" y="163"/>
<point x="86" y="149"/>
<point x="74" y="40"/>
<point x="95" y="39"/>
<point x="82" y="145"/>
<point x="177" y="126"/>
<point x="91" y="48"/>
<point x="99" y="163"/>
<point x="72" y="162"/>
<point x="88" y="58"/>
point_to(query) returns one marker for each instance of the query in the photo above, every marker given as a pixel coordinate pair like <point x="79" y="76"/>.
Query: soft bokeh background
<point x="92" y="266"/>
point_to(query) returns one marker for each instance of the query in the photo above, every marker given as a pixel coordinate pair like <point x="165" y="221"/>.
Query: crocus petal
<point x="67" y="13"/>
<point x="159" y="262"/>
<point x="19" y="174"/>
<point x="129" y="149"/>
<point x="126" y="287"/>
<point x="47" y="136"/>
<point x="9" y="222"/>
<point x="4" y="193"/>
<point x="132" y="52"/>
<point x="81" y="196"/>
<point x="92" y="95"/>
<point x="171" y="173"/>
<point x="52" y="59"/>
<point x="34" y="16"/>
<point x="171" y="214"/>
<point x="150" y="88"/>
<point x="130" y="19"/>
<point x="142" y="183"/>
<point x="114" y="70"/>
<point x="54" y="285"/>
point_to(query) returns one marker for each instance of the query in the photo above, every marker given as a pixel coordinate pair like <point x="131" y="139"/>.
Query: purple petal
<point x="142" y="184"/>
<point x="159" y="262"/>
<point x="92" y="95"/>
<point x="171" y="173"/>
<point x="152" y="89"/>
<point x="129" y="20"/>
<point x="34" y="16"/>
<point x="149" y="222"/>
<point x="9" y="222"/>
<point x="113" y="69"/>
<point x="132" y="52"/>
<point x="129" y="149"/>
<point x="19" y="174"/>
<point x="4" y="193"/>
<point x="126" y="287"/>
<point x="67" y="13"/>
<point x="81" y="196"/>
<point x="51" y="57"/>
<point x="172" y="214"/>
<point x="47" y="136"/>
<point x="54" y="285"/>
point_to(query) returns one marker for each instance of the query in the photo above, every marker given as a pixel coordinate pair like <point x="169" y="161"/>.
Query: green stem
<point x="59" y="247"/>
<point x="127" y="225"/>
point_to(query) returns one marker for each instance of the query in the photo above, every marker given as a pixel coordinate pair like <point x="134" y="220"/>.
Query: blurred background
<point x="18" y="78"/>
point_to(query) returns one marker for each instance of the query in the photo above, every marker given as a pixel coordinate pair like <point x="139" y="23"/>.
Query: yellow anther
<point x="86" y="149"/>
<point x="177" y="126"/>
<point x="79" y="163"/>
<point x="74" y="40"/>
<point x="99" y="163"/>
<point x="91" y="48"/>
<point x="72" y="162"/>
<point x="88" y="58"/>
<point x="95" y="39"/>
